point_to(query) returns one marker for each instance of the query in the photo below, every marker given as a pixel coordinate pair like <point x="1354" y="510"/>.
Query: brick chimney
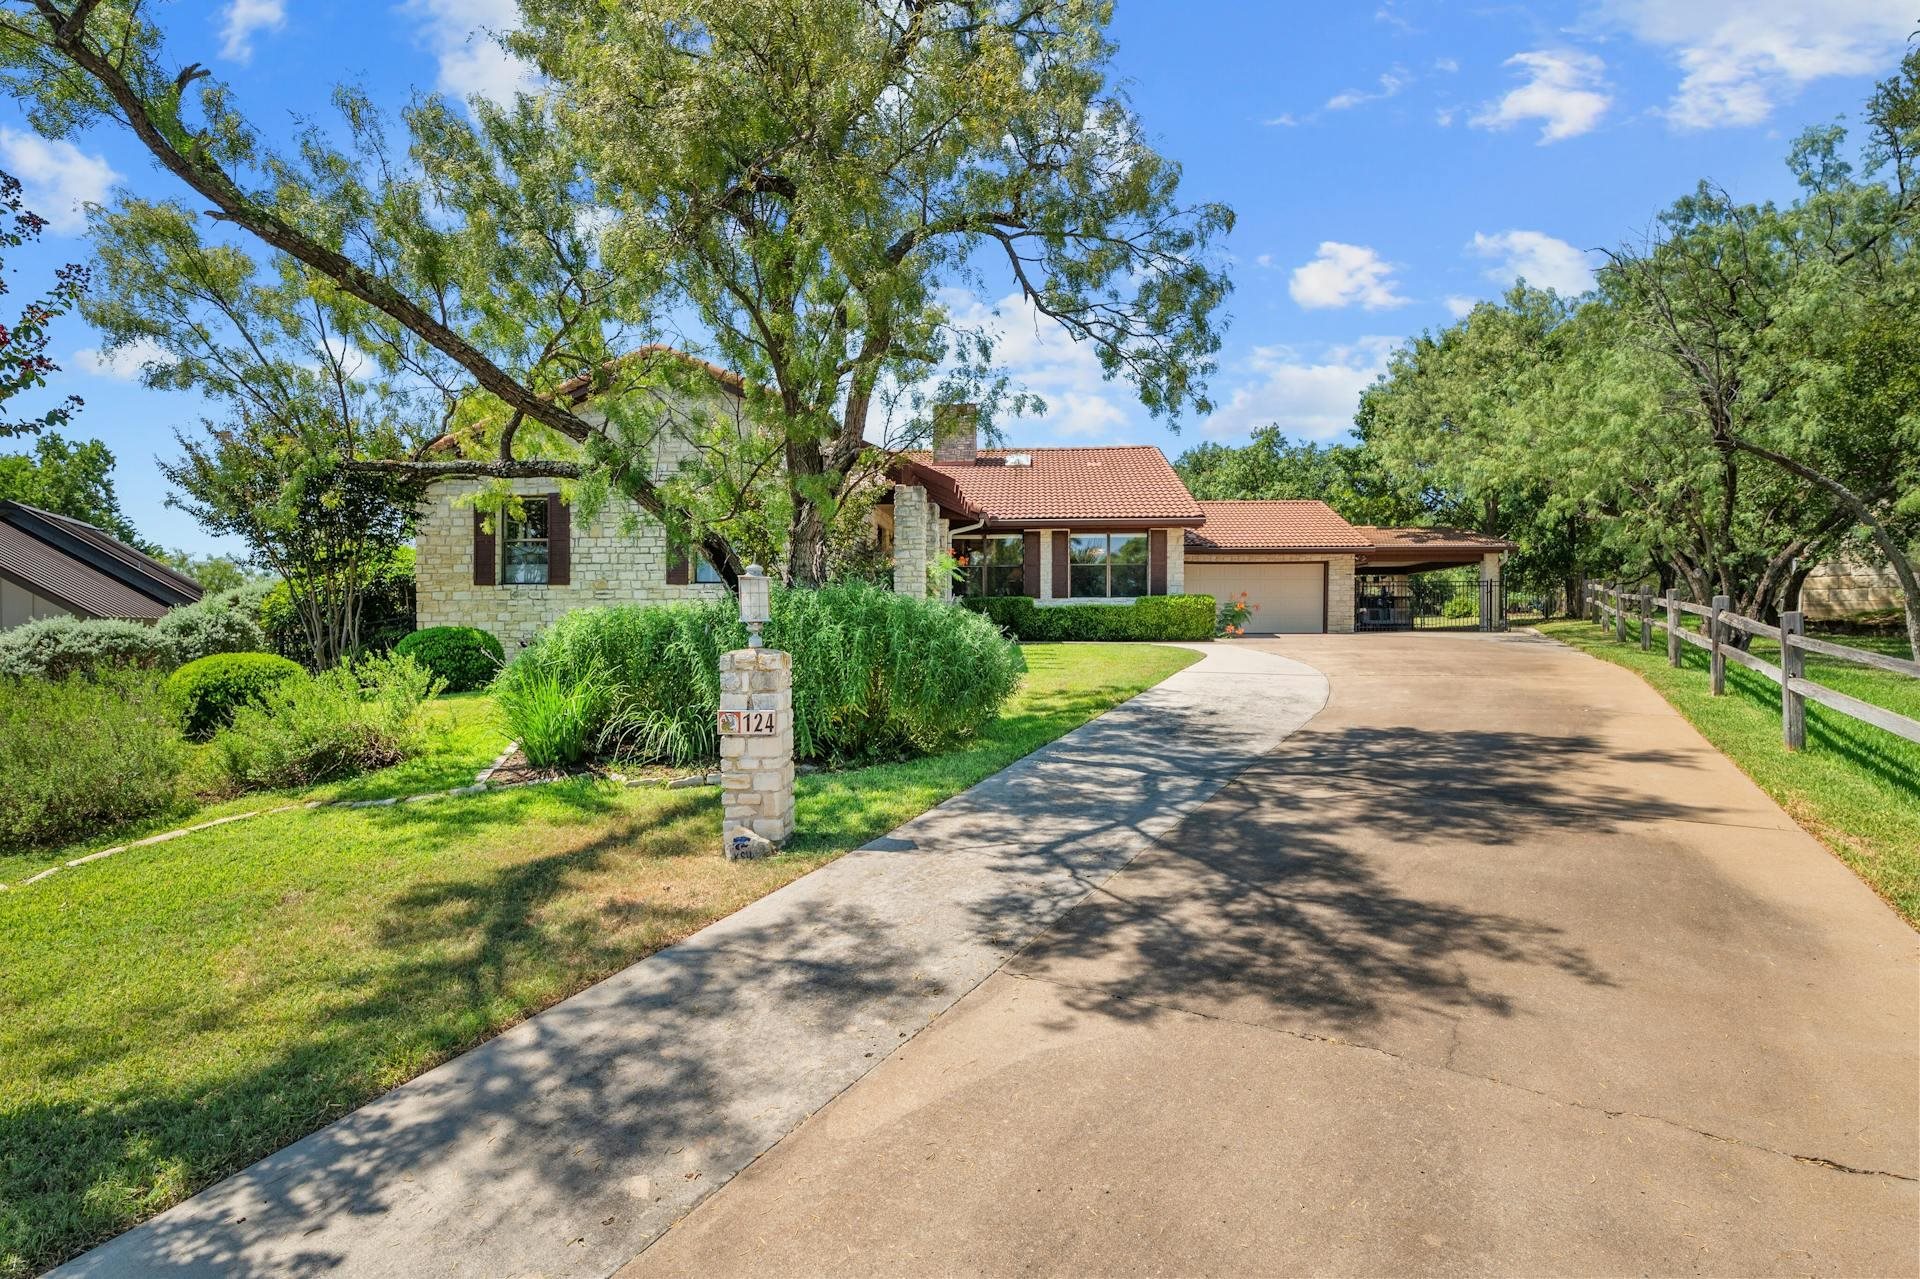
<point x="956" y="433"/>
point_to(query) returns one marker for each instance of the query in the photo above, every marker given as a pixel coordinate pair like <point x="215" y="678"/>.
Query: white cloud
<point x="243" y="18"/>
<point x="1564" y="88"/>
<point x="1459" y="304"/>
<point x="1040" y="357"/>
<point x="1345" y="275"/>
<point x="122" y="364"/>
<point x="1391" y="83"/>
<point x="1264" y="260"/>
<point x="1309" y="395"/>
<point x="1446" y="66"/>
<point x="1541" y="260"/>
<point x="461" y="34"/>
<point x="1285" y="120"/>
<point x="1741" y="58"/>
<point x="59" y="177"/>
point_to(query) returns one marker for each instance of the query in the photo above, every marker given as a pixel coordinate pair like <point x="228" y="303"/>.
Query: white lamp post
<point x="756" y="603"/>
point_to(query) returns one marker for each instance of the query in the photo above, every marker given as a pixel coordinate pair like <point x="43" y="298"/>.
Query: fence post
<point x="1673" y="626"/>
<point x="1718" y="666"/>
<point x="1646" y="621"/>
<point x="1619" y="615"/>
<point x="1793" y="665"/>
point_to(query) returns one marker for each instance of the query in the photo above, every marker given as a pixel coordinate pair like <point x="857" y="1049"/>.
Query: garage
<point x="1290" y="599"/>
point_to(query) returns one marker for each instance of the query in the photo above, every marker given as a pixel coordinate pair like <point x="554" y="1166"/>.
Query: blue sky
<point x="1389" y="163"/>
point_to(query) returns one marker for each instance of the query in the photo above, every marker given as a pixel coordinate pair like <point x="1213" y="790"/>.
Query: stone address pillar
<point x="756" y="751"/>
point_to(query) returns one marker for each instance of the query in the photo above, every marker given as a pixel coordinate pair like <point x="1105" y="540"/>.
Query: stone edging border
<point x="481" y="783"/>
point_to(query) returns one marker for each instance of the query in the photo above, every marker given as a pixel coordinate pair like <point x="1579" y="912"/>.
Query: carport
<point x="1390" y="593"/>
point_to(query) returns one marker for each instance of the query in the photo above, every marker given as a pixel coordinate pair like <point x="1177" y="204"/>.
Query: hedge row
<point x="1159" y="617"/>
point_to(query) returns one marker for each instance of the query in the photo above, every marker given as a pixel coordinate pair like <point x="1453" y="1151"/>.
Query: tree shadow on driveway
<point x="1304" y="892"/>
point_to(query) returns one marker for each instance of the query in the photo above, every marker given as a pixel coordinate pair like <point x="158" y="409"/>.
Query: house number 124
<point x="749" y="723"/>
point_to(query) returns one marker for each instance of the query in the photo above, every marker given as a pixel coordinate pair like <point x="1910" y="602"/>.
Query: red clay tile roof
<point x="1437" y="538"/>
<point x="1284" y="525"/>
<point x="1128" y="484"/>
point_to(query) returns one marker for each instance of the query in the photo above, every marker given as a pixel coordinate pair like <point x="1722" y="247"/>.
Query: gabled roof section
<point x="1436" y="538"/>
<point x="1126" y="484"/>
<point x="85" y="569"/>
<point x="1279" y="525"/>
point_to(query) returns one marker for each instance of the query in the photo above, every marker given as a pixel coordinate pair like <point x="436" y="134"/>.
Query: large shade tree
<point x="793" y="189"/>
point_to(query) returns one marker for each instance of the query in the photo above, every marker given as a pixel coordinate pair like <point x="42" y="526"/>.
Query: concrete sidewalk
<point x="1495" y="967"/>
<point x="567" y="1144"/>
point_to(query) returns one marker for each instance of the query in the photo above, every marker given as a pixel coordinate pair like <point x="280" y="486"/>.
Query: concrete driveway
<point x="1494" y="967"/>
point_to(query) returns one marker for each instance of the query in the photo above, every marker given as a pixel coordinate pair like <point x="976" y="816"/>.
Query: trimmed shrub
<point x="464" y="657"/>
<point x="224" y="623"/>
<point x="56" y="647"/>
<point x="317" y="727"/>
<point x="876" y="674"/>
<point x="84" y="753"/>
<point x="1459" y="606"/>
<point x="204" y="693"/>
<point x="1157" y="617"/>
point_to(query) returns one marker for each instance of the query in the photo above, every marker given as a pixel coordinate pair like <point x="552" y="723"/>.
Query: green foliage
<point x="224" y="623"/>
<point x="557" y="719"/>
<point x="1158" y="617"/>
<point x="463" y="657"/>
<point x="875" y="674"/>
<point x="24" y="362"/>
<point x="386" y="616"/>
<point x="83" y="752"/>
<point x="1235" y="613"/>
<point x="1346" y="477"/>
<point x="348" y="719"/>
<point x="74" y="480"/>
<point x="56" y="647"/>
<point x="215" y="573"/>
<point x="205" y="692"/>
<point x="1457" y="605"/>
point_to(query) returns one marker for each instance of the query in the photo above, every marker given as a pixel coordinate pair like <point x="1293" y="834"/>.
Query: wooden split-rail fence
<point x="1612" y="605"/>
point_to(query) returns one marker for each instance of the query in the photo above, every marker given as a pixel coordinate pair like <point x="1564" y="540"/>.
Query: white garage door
<point x="1292" y="597"/>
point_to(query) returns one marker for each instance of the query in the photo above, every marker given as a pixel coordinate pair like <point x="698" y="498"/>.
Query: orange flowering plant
<point x="1235" y="613"/>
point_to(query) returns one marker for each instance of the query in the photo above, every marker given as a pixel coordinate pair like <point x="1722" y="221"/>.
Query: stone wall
<point x="611" y="565"/>
<point x="912" y="540"/>
<point x="756" y="773"/>
<point x="1845" y="586"/>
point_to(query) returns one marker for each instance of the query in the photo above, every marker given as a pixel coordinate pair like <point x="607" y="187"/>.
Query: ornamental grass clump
<point x="876" y="675"/>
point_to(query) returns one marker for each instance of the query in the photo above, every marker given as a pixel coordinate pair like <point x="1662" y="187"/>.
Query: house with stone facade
<point x="1105" y="525"/>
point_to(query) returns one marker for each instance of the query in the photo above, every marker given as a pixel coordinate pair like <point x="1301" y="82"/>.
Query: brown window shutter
<point x="679" y="564"/>
<point x="1030" y="562"/>
<point x="559" y="542"/>
<point x="1156" y="561"/>
<point x="1062" y="581"/>
<point x="485" y="567"/>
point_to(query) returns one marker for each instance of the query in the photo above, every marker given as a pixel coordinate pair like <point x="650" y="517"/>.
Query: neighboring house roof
<point x="77" y="565"/>
<point x="1129" y="484"/>
<point x="1281" y="525"/>
<point x="1437" y="538"/>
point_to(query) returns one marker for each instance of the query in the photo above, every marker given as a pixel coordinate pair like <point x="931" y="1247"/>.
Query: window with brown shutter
<point x="1032" y="552"/>
<point x="1062" y="584"/>
<point x="678" y="563"/>
<point x="559" y="542"/>
<point x="484" y="569"/>
<point x="1157" y="562"/>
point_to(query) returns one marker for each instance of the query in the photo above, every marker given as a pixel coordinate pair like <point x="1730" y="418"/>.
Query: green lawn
<point x="173" y="1013"/>
<point x="1855" y="787"/>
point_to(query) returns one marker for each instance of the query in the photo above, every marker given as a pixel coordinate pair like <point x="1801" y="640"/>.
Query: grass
<point x="1856" y="788"/>
<point x="176" y="1012"/>
<point x="465" y="733"/>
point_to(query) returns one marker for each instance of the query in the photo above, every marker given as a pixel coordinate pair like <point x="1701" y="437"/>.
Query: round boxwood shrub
<point x="465" y="657"/>
<point x="204" y="694"/>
